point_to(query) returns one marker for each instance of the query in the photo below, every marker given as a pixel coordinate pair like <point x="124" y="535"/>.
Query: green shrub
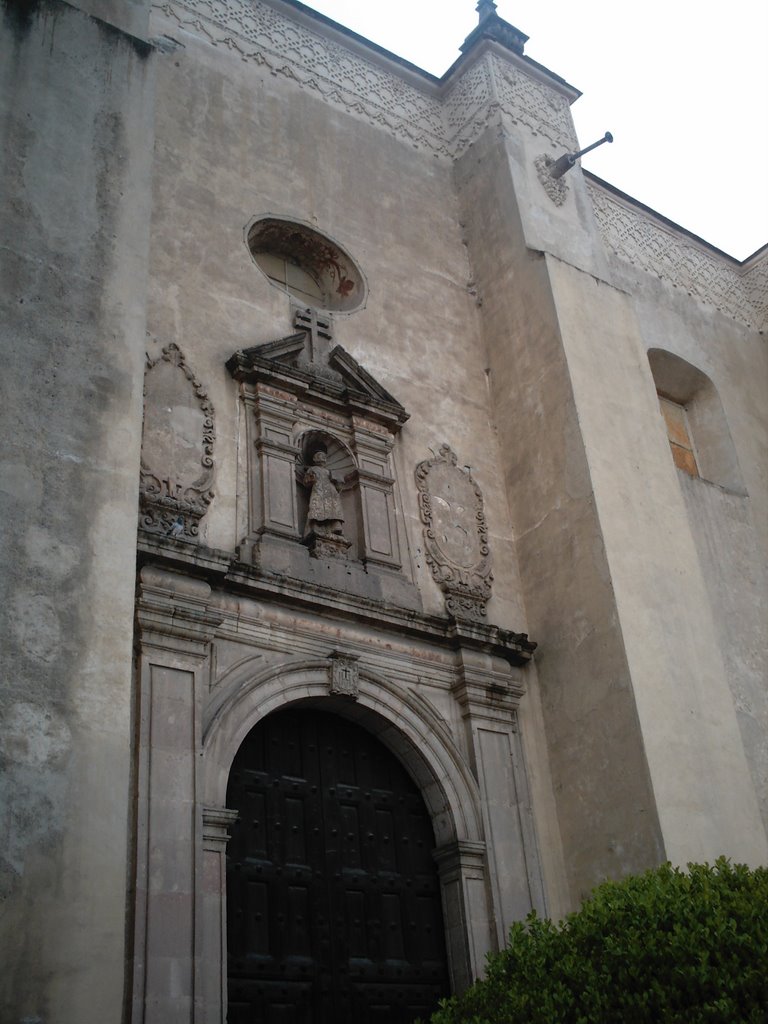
<point x="666" y="947"/>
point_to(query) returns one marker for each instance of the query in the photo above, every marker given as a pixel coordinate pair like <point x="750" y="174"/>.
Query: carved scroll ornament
<point x="177" y="448"/>
<point x="455" y="534"/>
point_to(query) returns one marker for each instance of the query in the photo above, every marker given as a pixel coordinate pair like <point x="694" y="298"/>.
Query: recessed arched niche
<point x="341" y="464"/>
<point x="310" y="267"/>
<point x="696" y="423"/>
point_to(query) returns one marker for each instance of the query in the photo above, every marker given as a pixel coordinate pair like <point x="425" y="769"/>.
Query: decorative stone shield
<point x="455" y="534"/>
<point x="176" y="449"/>
<point x="343" y="674"/>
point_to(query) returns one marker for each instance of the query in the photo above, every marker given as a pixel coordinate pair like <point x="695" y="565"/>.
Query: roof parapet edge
<point x="521" y="61"/>
<point x="349" y="36"/>
<point x="692" y="236"/>
<point x="420" y="77"/>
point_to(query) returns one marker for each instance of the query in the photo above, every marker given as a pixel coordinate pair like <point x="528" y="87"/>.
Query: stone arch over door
<point x="428" y="753"/>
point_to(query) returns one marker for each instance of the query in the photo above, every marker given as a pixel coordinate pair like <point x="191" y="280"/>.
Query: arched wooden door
<point x="333" y="900"/>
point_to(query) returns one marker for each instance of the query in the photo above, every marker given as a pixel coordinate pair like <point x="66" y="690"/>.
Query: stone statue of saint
<point x="325" y="516"/>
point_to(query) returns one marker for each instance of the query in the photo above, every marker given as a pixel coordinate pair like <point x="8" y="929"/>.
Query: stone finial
<point x="494" y="29"/>
<point x="485" y="8"/>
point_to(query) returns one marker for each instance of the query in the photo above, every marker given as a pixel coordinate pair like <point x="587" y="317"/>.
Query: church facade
<point x="384" y="518"/>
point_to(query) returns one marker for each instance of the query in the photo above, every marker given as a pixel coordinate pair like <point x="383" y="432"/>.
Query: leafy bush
<point x="666" y="947"/>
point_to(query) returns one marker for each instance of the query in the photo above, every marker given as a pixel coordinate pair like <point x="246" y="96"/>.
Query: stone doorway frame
<point x="190" y="722"/>
<point x="431" y="758"/>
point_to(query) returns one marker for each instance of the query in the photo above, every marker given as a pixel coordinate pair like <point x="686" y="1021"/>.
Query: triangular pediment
<point x="287" y="350"/>
<point x="357" y="378"/>
<point x="337" y="378"/>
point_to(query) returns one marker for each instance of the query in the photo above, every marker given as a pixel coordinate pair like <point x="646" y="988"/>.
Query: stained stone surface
<point x="512" y="329"/>
<point x="76" y="106"/>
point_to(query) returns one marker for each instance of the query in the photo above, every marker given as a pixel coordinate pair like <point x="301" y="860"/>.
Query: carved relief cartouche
<point x="343" y="674"/>
<point x="177" y="448"/>
<point x="455" y="534"/>
<point x="556" y="188"/>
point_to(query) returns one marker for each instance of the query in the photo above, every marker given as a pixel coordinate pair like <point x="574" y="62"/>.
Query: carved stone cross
<point x="319" y="332"/>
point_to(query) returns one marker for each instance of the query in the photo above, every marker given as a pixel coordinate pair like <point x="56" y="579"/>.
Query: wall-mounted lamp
<point x="567" y="160"/>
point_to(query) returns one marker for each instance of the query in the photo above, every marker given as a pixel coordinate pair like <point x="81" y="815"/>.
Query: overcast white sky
<point x="683" y="87"/>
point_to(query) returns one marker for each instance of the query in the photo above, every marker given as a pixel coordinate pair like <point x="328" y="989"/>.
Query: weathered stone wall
<point x="232" y="144"/>
<point x="311" y="152"/>
<point x="508" y="325"/>
<point x="705" y="799"/>
<point x="598" y="764"/>
<point x="634" y="686"/>
<point x="76" y="98"/>
<point x="236" y="141"/>
<point x="728" y="522"/>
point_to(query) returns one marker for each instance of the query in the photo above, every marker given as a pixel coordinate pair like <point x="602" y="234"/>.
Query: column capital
<point x="461" y="854"/>
<point x="216" y="824"/>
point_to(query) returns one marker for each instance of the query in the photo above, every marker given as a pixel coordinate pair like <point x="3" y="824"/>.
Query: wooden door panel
<point x="333" y="899"/>
<point x="273" y="1002"/>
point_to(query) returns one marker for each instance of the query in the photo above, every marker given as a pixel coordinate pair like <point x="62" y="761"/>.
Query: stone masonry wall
<point x="75" y="97"/>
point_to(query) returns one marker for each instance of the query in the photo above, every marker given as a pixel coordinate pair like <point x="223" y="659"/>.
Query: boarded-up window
<point x="696" y="423"/>
<point x="679" y="435"/>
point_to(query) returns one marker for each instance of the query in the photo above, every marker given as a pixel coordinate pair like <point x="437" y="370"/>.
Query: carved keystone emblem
<point x="343" y="674"/>
<point x="455" y="534"/>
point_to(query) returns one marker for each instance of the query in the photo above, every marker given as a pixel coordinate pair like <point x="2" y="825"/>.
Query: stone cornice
<point x="355" y="392"/>
<point x="220" y="568"/>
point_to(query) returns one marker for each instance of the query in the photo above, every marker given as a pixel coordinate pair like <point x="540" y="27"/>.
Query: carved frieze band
<point x="445" y="124"/>
<point x="455" y="534"/>
<point x="646" y="243"/>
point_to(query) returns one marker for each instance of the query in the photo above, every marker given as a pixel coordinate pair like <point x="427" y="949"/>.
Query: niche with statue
<point x="329" y="496"/>
<point x="318" y="468"/>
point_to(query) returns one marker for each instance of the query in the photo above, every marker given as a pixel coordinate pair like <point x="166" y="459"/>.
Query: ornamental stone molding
<point x="455" y="534"/>
<point x="646" y="242"/>
<point x="176" y="449"/>
<point x="444" y="118"/>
